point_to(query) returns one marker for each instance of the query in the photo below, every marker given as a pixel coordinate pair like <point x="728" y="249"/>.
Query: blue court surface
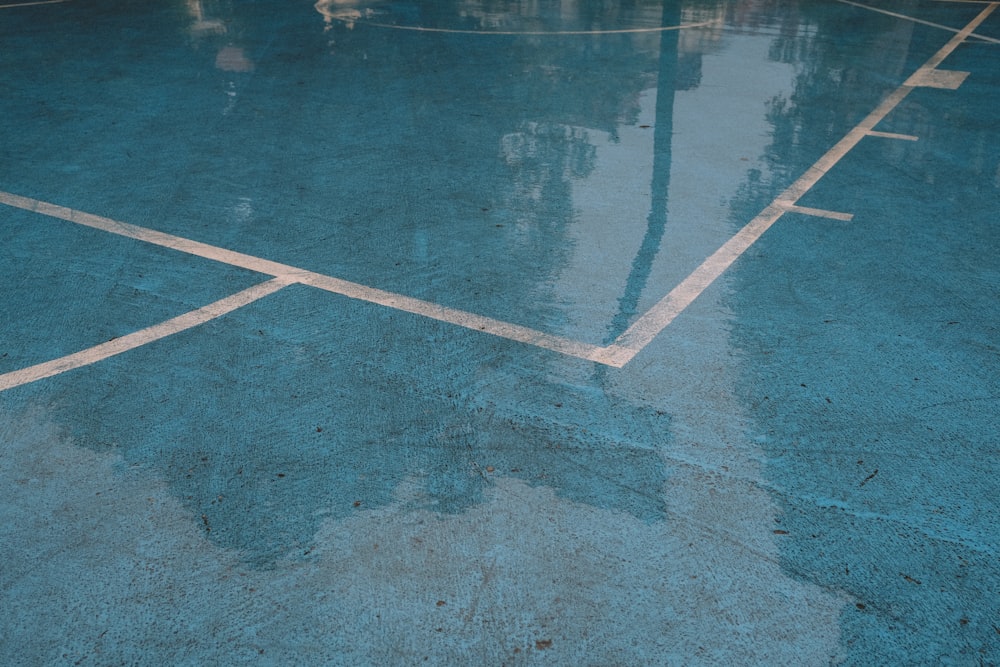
<point x="496" y="332"/>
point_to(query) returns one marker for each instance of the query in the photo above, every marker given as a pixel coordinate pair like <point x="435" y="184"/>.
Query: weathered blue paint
<point x="800" y="469"/>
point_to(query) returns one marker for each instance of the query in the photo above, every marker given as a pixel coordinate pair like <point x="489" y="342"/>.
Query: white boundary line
<point x="619" y="353"/>
<point x="921" y="21"/>
<point x="330" y="284"/>
<point x="647" y="327"/>
<point x="139" y="338"/>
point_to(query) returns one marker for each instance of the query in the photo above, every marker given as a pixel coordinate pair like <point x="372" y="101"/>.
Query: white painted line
<point x="148" y="235"/>
<point x="533" y="33"/>
<point x="920" y="21"/>
<point x="893" y="135"/>
<point x="460" y="318"/>
<point x="31" y="4"/>
<point x="630" y="343"/>
<point x="651" y="323"/>
<point x="820" y="213"/>
<point x="142" y="337"/>
<point x="937" y="78"/>
<point x="330" y="284"/>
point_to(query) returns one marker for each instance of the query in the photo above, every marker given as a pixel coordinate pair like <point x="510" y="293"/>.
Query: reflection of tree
<point x="867" y="279"/>
<point x="543" y="159"/>
<point x="402" y="157"/>
<point x="532" y="101"/>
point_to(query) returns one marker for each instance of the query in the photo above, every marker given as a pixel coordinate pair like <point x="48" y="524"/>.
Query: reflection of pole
<point x="663" y="128"/>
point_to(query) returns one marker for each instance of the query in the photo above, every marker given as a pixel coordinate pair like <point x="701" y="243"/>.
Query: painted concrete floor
<point x="499" y="333"/>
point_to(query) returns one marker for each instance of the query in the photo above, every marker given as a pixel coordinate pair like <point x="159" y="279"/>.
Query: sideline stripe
<point x="461" y="318"/>
<point x="647" y="327"/>
<point x="139" y="338"/>
<point x="920" y="21"/>
<point x="336" y="285"/>
<point x="619" y="353"/>
<point x="893" y="135"/>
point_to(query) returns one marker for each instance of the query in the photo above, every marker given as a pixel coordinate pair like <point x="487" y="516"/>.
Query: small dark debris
<point x="963" y="621"/>
<point x="319" y="429"/>
<point x="440" y="603"/>
<point x="865" y="480"/>
<point x="357" y="503"/>
<point x="542" y="644"/>
<point x="778" y="531"/>
<point x="281" y="474"/>
<point x="910" y="579"/>
<point x="859" y="605"/>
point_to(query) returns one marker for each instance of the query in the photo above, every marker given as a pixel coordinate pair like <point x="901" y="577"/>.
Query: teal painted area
<point x="801" y="469"/>
<point x="69" y="288"/>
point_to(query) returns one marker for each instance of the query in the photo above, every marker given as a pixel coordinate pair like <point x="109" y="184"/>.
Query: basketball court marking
<point x="619" y="353"/>
<point x="139" y="338"/>
<point x="291" y="274"/>
<point x="983" y="38"/>
<point x="819" y="212"/>
<point x="893" y="135"/>
<point x="331" y="12"/>
<point x="531" y="33"/>
<point x="647" y="327"/>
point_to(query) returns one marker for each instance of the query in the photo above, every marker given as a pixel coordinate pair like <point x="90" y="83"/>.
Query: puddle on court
<point x="321" y="477"/>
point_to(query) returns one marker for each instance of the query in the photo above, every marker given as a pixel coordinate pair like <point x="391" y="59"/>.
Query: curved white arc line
<point x="142" y="337"/>
<point x="454" y="31"/>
